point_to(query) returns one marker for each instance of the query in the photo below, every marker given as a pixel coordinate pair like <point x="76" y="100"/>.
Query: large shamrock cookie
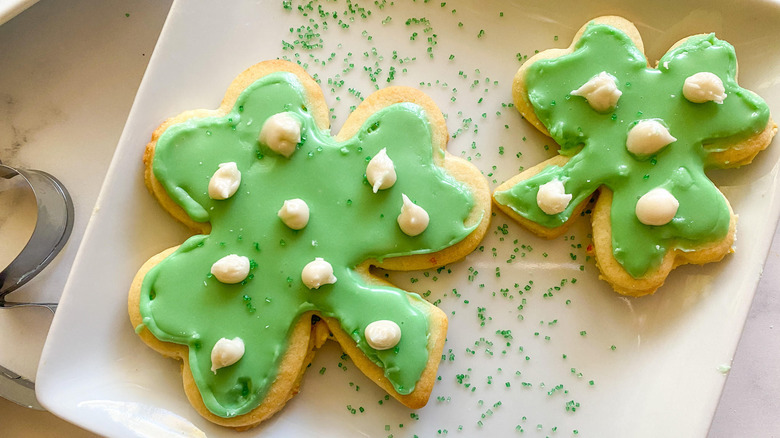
<point x="291" y="221"/>
<point x="641" y="137"/>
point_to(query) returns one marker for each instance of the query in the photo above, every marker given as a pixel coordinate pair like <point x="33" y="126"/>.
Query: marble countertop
<point x="70" y="73"/>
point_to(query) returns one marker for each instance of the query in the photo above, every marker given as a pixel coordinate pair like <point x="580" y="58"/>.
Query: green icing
<point x="596" y="141"/>
<point x="182" y="303"/>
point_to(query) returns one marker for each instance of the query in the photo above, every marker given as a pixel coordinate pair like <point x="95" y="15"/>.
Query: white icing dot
<point x="380" y="171"/>
<point x="226" y="352"/>
<point x="281" y="133"/>
<point x="656" y="207"/>
<point x="316" y="273"/>
<point x="225" y="181"/>
<point x="648" y="137"/>
<point x="294" y="213"/>
<point x="552" y="197"/>
<point x="383" y="334"/>
<point x="231" y="269"/>
<point x="413" y="219"/>
<point x="600" y="91"/>
<point x="704" y="87"/>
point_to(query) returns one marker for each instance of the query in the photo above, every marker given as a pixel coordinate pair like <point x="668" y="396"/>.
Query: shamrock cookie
<point x="641" y="137"/>
<point x="291" y="220"/>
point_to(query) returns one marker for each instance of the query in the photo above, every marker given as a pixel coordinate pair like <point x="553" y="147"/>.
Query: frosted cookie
<point x="291" y="219"/>
<point x="641" y="137"/>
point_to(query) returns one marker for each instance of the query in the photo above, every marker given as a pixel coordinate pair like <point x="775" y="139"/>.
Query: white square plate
<point x="580" y="359"/>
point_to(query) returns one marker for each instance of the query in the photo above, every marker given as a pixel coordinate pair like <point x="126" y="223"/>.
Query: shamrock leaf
<point x="318" y="266"/>
<point x="627" y="129"/>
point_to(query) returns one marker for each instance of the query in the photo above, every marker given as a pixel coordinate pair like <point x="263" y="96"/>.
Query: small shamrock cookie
<point x="290" y="221"/>
<point x="641" y="137"/>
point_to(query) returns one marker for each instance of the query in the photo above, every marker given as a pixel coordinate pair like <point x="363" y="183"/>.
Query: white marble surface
<point x="70" y="72"/>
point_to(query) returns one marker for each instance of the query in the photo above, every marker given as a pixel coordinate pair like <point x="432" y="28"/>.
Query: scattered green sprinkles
<point x="348" y="74"/>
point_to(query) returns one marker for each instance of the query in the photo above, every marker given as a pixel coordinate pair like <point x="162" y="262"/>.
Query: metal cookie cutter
<point x="53" y="226"/>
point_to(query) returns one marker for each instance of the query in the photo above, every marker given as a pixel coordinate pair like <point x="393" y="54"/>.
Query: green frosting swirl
<point x="182" y="302"/>
<point x="596" y="141"/>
